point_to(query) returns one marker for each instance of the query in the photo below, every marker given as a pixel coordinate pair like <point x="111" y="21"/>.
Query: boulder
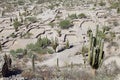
<point x="60" y="48"/>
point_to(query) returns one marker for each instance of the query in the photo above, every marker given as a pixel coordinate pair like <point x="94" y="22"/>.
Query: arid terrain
<point x="59" y="39"/>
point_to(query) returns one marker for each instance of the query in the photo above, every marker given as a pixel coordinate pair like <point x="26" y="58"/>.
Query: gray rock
<point x="60" y="48"/>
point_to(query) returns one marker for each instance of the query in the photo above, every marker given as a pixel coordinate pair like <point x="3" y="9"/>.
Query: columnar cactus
<point x="96" y="52"/>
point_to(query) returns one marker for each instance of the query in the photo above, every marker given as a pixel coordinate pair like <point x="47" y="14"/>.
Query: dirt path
<point x="65" y="57"/>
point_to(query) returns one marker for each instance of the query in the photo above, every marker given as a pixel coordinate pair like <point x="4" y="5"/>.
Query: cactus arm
<point x="97" y="29"/>
<point x="94" y="42"/>
<point x="93" y="59"/>
<point x="101" y="51"/>
<point x="90" y="47"/>
<point x="91" y="41"/>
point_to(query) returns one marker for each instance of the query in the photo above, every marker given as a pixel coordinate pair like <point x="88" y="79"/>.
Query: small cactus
<point x="58" y="64"/>
<point x="59" y="33"/>
<point x="33" y="63"/>
<point x="3" y="13"/>
<point x="0" y="46"/>
<point x="67" y="45"/>
<point x="55" y="44"/>
<point x="11" y="19"/>
<point x="25" y="52"/>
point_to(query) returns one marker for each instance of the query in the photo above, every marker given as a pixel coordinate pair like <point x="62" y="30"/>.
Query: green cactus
<point x="2" y="13"/>
<point x="25" y="51"/>
<point x="96" y="52"/>
<point x="58" y="64"/>
<point x="33" y="62"/>
<point x="67" y="44"/>
<point x="55" y="44"/>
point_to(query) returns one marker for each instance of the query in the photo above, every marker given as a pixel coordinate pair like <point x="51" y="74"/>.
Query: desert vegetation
<point x="60" y="39"/>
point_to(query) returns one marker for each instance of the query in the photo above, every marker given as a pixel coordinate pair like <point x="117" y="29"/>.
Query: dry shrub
<point x="73" y="74"/>
<point x="107" y="72"/>
<point x="28" y="74"/>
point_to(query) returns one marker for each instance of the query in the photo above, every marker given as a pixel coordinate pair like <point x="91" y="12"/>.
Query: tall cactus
<point x="96" y="52"/>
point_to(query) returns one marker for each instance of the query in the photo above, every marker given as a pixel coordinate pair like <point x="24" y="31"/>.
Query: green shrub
<point x="114" y="5"/>
<point x="29" y="54"/>
<point x="40" y="46"/>
<point x="33" y="47"/>
<point x="65" y="24"/>
<point x="30" y="46"/>
<point x="31" y="19"/>
<point x="37" y="49"/>
<point x="82" y="15"/>
<point x="118" y="10"/>
<point x="58" y="17"/>
<point x="40" y="1"/>
<point x="52" y="24"/>
<point x="43" y="42"/>
<point x="106" y="28"/>
<point x="19" y="50"/>
<point x="13" y="53"/>
<point x="50" y="51"/>
<point x="115" y="23"/>
<point x="21" y="2"/>
<point x="51" y="6"/>
<point x="111" y="36"/>
<point x="73" y="16"/>
<point x="16" y="24"/>
<point x="102" y="3"/>
<point x="31" y="1"/>
<point x="13" y="35"/>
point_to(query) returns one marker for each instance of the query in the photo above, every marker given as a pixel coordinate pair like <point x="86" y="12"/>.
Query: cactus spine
<point x="96" y="52"/>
